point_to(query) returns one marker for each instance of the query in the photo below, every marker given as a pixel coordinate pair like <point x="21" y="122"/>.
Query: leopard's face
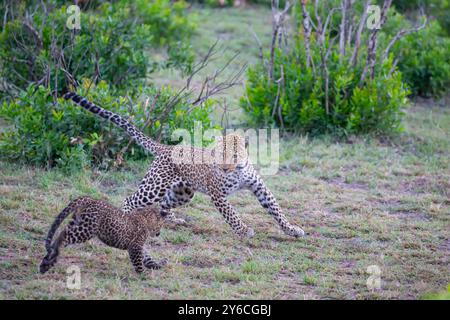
<point x="232" y="151"/>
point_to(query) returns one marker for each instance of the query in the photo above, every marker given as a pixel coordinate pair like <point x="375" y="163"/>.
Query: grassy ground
<point x="232" y="28"/>
<point x="365" y="202"/>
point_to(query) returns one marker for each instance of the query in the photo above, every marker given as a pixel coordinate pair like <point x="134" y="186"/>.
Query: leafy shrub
<point x="424" y="60"/>
<point x="375" y="107"/>
<point x="48" y="132"/>
<point x="230" y="3"/>
<point x="438" y="9"/>
<point x="310" y="98"/>
<point x="423" y="56"/>
<point x="213" y="3"/>
<point x="111" y="45"/>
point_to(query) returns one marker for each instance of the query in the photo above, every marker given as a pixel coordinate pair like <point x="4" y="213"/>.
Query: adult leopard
<point x="177" y="172"/>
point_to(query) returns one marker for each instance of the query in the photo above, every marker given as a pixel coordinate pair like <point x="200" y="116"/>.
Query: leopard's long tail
<point x="73" y="206"/>
<point x="146" y="142"/>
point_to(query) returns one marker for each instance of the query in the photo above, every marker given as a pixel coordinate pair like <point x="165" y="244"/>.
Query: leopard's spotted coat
<point x="96" y="218"/>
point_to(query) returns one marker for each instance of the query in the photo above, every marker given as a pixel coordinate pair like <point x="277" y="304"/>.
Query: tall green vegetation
<point x="108" y="61"/>
<point x="37" y="47"/>
<point x="59" y="133"/>
<point x="438" y="9"/>
<point x="331" y="75"/>
<point x="423" y="57"/>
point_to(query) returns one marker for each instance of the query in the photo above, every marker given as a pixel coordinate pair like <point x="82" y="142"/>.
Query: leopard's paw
<point x="294" y="231"/>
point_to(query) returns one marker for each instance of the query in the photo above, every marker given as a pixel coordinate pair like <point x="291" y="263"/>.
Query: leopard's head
<point x="231" y="151"/>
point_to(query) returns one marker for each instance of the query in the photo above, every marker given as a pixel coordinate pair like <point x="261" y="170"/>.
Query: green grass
<point x="365" y="202"/>
<point x="231" y="27"/>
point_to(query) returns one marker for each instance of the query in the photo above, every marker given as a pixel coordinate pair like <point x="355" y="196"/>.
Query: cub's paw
<point x="178" y="221"/>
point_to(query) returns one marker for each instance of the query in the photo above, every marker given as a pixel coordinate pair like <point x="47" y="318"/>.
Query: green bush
<point x="213" y="3"/>
<point x="112" y="44"/>
<point x="423" y="56"/>
<point x="58" y="133"/>
<point x="297" y="98"/>
<point x="230" y="3"/>
<point x="424" y="60"/>
<point x="375" y="107"/>
<point x="439" y="9"/>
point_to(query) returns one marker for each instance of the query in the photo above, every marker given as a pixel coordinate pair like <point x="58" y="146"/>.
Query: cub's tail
<point x="146" y="142"/>
<point x="74" y="206"/>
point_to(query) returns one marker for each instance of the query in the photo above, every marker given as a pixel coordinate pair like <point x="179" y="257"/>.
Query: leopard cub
<point x="97" y="218"/>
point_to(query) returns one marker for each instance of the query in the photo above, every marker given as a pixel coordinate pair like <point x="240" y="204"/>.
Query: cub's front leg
<point x="231" y="216"/>
<point x="136" y="253"/>
<point x="153" y="264"/>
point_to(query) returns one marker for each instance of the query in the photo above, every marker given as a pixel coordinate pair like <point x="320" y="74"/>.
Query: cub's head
<point x="154" y="219"/>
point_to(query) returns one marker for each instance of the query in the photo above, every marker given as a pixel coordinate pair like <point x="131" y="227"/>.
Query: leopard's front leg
<point x="268" y="201"/>
<point x="231" y="216"/>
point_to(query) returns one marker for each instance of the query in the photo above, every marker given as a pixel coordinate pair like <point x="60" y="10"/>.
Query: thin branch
<point x="307" y="31"/>
<point x="401" y="34"/>
<point x="327" y="21"/>
<point x="260" y="46"/>
<point x="277" y="20"/>
<point x="394" y="65"/>
<point x="372" y="46"/>
<point x="5" y="17"/>
<point x="281" y="82"/>
<point x="210" y="86"/>
<point x="362" y="22"/>
<point x="344" y="8"/>
<point x="323" y="55"/>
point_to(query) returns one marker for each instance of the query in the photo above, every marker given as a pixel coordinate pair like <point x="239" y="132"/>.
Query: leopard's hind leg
<point x="153" y="187"/>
